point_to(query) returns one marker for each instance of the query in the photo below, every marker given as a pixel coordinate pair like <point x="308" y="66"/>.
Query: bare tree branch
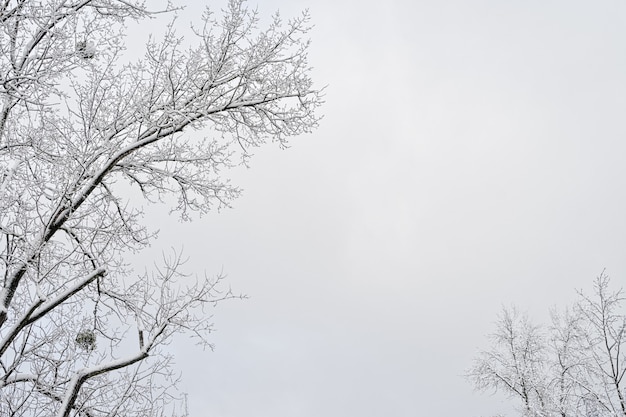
<point x="76" y="121"/>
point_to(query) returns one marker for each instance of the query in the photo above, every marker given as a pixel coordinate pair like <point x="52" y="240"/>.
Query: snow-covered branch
<point x="75" y="121"/>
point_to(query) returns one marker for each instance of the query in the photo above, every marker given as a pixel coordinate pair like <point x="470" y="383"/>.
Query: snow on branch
<point x="75" y="123"/>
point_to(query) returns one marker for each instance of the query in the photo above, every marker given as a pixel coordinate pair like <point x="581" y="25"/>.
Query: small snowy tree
<point x="80" y="334"/>
<point x="573" y="368"/>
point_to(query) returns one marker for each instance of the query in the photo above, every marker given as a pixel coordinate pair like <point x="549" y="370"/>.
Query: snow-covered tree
<point x="573" y="368"/>
<point x="80" y="333"/>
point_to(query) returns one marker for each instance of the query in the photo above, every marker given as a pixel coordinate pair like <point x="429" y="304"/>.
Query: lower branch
<point x="84" y="374"/>
<point x="41" y="308"/>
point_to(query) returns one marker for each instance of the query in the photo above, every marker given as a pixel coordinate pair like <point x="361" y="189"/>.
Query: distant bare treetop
<point x="80" y="334"/>
<point x="573" y="368"/>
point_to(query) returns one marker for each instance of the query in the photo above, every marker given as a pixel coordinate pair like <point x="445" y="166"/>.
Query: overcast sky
<point x="472" y="155"/>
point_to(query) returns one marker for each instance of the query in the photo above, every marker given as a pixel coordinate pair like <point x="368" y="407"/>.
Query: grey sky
<point x="471" y="155"/>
